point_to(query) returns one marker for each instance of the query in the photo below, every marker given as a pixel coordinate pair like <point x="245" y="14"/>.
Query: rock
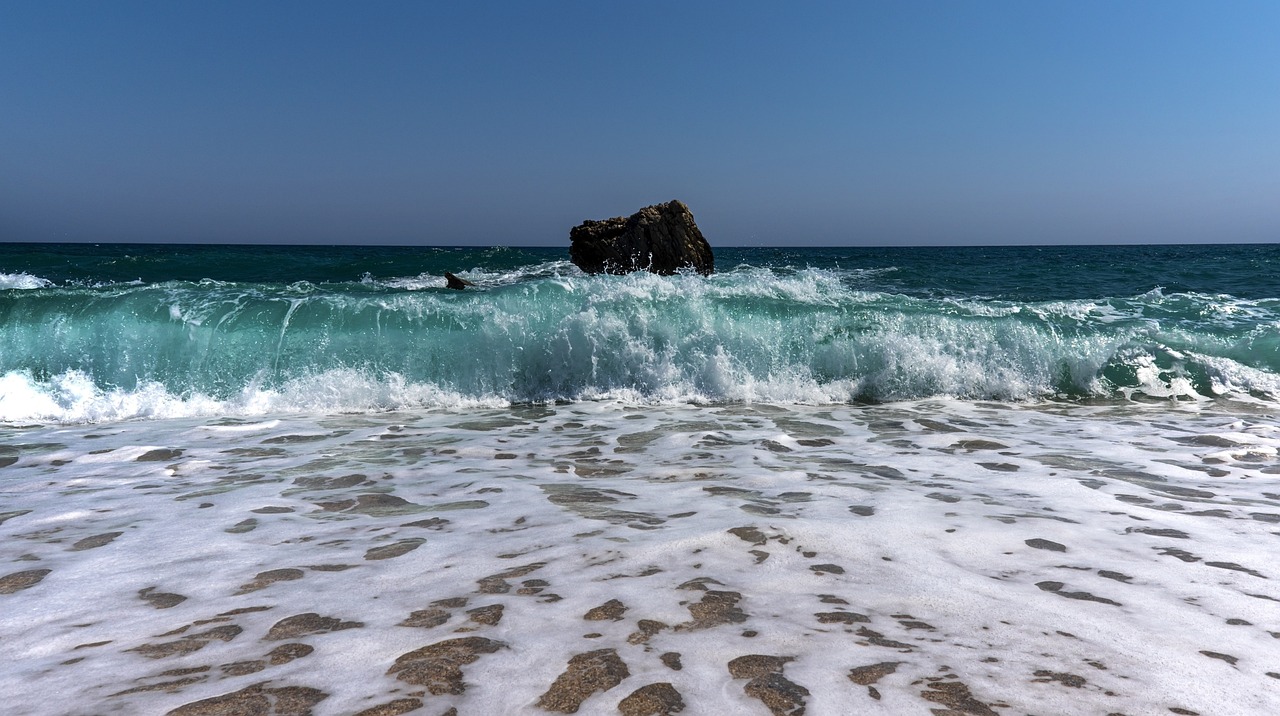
<point x="753" y="665"/>
<point x="189" y="643"/>
<point x="264" y="579"/>
<point x="586" y="674"/>
<point x="300" y="625"/>
<point x="659" y="699"/>
<point x="161" y="600"/>
<point x="243" y="668"/>
<point x="868" y="675"/>
<point x="648" y="627"/>
<point x="612" y="609"/>
<point x="662" y="238"/>
<point x="782" y="696"/>
<point x="716" y="608"/>
<point x="256" y="700"/>
<point x="456" y="283"/>
<point x="427" y="618"/>
<point x="286" y="653"/>
<point x="18" y="581"/>
<point x="957" y="698"/>
<point x="438" y="667"/>
<point x="393" y="708"/>
<point x="841" y="618"/>
<point x="396" y="549"/>
<point x="95" y="541"/>
<point x="488" y="616"/>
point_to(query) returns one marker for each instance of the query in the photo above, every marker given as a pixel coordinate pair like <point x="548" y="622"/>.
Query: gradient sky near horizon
<point x="936" y="122"/>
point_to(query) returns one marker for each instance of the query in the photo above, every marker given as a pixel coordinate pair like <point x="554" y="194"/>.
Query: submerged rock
<point x="662" y="239"/>
<point x="256" y="700"/>
<point x="438" y="666"/>
<point x="586" y="674"/>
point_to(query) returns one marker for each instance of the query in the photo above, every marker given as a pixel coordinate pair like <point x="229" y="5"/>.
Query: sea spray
<point x="545" y="332"/>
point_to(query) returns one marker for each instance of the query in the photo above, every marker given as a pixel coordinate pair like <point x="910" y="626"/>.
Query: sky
<point x="849" y="123"/>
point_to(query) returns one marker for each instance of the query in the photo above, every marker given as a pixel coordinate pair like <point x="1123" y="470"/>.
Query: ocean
<point x="294" y="480"/>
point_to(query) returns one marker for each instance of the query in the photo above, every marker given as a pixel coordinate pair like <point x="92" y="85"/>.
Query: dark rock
<point x="870" y="674"/>
<point x="159" y="455"/>
<point x="957" y="698"/>
<point x="612" y="609"/>
<point x="488" y="616"/>
<point x="393" y="708"/>
<point x="256" y="700"/>
<point x="841" y="618"/>
<point x="497" y="584"/>
<point x="396" y="549"/>
<point x="1224" y="657"/>
<point x="6" y="516"/>
<point x="749" y="534"/>
<point x="1235" y="567"/>
<point x="95" y="541"/>
<point x="716" y="608"/>
<point x="189" y="643"/>
<point x="173" y="686"/>
<point x="243" y="668"/>
<point x="1050" y="545"/>
<point x="875" y="638"/>
<point x="662" y="238"/>
<point x="648" y="627"/>
<point x="427" y="618"/>
<point x="753" y="665"/>
<point x="300" y="625"/>
<point x="286" y="653"/>
<point x="782" y="696"/>
<point x="161" y="600"/>
<point x="586" y="674"/>
<point x="1072" y="680"/>
<point x="380" y="505"/>
<point x="439" y="666"/>
<point x="1058" y="589"/>
<point x="264" y="579"/>
<point x="658" y="699"/>
<point x="456" y="283"/>
<point x="18" y="581"/>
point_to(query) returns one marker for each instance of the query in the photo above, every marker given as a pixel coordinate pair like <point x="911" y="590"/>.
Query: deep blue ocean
<point x="106" y="332"/>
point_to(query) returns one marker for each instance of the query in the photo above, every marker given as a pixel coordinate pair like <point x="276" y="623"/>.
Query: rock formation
<point x="662" y="238"/>
<point x="456" y="283"/>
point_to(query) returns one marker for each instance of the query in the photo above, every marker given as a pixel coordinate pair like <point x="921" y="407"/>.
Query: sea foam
<point x="877" y="559"/>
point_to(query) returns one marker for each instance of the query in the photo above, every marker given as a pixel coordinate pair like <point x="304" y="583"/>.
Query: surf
<point x="544" y="332"/>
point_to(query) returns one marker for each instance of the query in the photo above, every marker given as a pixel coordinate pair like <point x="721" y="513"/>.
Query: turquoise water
<point x="106" y="332"/>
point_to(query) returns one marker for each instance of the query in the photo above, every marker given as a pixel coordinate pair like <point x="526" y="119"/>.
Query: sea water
<point x="1020" y="480"/>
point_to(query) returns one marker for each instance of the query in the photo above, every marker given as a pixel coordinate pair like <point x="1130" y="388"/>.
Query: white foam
<point x="22" y="281"/>
<point x="73" y="397"/>
<point x="938" y="559"/>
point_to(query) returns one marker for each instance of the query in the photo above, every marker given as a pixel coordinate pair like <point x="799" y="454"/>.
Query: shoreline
<point x="892" y="558"/>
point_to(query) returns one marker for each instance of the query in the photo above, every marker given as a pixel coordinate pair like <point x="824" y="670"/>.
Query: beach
<point x="368" y="359"/>
<point x="913" y="557"/>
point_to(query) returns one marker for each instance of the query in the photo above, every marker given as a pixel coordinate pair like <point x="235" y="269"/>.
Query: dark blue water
<point x="1016" y="272"/>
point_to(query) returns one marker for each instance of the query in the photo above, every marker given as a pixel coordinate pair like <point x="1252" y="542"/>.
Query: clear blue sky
<point x="506" y="123"/>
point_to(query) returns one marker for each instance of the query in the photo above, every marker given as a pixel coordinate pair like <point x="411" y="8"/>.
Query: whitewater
<point x="306" y="480"/>
<point x="788" y="329"/>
